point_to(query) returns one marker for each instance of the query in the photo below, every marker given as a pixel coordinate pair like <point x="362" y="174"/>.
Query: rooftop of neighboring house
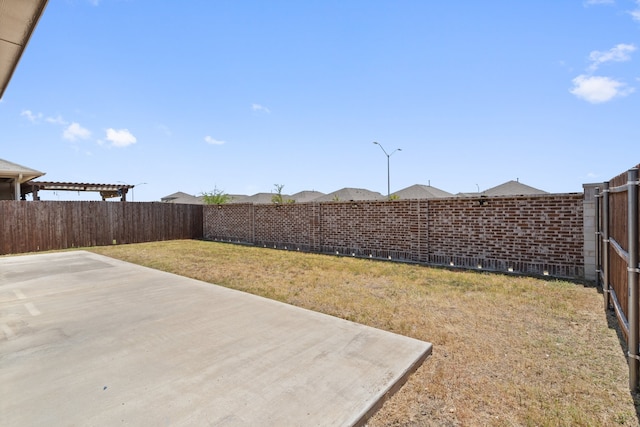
<point x="417" y="191"/>
<point x="350" y="194"/>
<point x="262" y="198"/>
<point x="306" y="196"/>
<point x="182" y="198"/>
<point x="512" y="188"/>
<point x="509" y="188"/>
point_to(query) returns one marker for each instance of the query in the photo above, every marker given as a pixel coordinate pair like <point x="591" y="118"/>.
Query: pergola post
<point x="16" y="187"/>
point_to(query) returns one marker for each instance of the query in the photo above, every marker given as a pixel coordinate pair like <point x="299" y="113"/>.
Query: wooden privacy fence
<point x="618" y="267"/>
<point x="40" y="226"/>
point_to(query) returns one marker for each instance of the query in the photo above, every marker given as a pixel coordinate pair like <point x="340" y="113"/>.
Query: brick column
<point x="589" y="221"/>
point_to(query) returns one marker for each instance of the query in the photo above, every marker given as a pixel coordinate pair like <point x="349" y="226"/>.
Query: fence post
<point x="598" y="240"/>
<point x="605" y="244"/>
<point x="632" y="268"/>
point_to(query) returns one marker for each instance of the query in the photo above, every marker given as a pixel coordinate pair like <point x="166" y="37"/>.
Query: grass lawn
<point x="508" y="351"/>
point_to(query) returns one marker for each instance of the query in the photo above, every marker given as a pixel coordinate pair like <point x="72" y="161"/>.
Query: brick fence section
<point x="539" y="235"/>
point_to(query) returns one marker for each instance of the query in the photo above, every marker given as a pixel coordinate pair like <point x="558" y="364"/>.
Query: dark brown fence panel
<point x="618" y="245"/>
<point x="40" y="226"/>
<point x="618" y="270"/>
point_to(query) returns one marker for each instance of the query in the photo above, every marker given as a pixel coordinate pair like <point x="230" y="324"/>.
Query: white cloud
<point x="596" y="89"/>
<point x="58" y="120"/>
<point x="618" y="53"/>
<point x="595" y="2"/>
<point x="212" y="141"/>
<point x="120" y="137"/>
<point x="635" y="14"/>
<point x="74" y="131"/>
<point x="33" y="118"/>
<point x="258" y="107"/>
<point x="38" y="117"/>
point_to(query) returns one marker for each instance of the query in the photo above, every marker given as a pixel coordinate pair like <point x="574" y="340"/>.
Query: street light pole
<point x="132" y="187"/>
<point x="140" y="183"/>
<point x="388" y="166"/>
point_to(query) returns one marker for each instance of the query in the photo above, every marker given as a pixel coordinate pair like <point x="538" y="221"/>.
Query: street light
<point x="132" y="187"/>
<point x="388" y="170"/>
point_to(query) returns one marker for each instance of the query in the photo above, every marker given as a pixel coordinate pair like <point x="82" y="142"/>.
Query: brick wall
<point x="542" y="234"/>
<point x="531" y="235"/>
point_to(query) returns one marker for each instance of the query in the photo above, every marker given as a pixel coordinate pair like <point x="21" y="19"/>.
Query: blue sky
<point x="241" y="95"/>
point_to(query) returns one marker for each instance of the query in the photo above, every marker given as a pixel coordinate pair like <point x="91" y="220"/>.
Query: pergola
<point x="107" y="191"/>
<point x="18" y="20"/>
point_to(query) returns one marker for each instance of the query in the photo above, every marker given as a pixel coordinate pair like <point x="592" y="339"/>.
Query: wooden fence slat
<point x="43" y="225"/>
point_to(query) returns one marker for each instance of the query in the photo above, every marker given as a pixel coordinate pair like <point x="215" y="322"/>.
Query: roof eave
<point x="34" y="18"/>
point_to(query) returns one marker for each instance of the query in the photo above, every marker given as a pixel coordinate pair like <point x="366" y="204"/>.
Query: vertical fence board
<point x="42" y="225"/>
<point x="620" y="270"/>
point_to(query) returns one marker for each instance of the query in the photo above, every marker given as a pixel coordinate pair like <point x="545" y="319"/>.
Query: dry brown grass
<point x="508" y="351"/>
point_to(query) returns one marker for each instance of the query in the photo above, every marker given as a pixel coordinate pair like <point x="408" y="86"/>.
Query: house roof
<point x="13" y="170"/>
<point x="262" y="198"/>
<point x="238" y="198"/>
<point x="306" y="196"/>
<point x="182" y="198"/>
<point x="512" y="188"/>
<point x="18" y="19"/>
<point x="349" y="194"/>
<point x="419" y="191"/>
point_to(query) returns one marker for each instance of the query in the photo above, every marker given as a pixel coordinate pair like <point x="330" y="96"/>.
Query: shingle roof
<point x="306" y="196"/>
<point x="512" y="188"/>
<point x="419" y="191"/>
<point x="238" y="198"/>
<point x="349" y="194"/>
<point x="182" y="198"/>
<point x="263" y="198"/>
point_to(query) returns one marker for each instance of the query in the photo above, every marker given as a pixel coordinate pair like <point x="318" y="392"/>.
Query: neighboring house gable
<point x="182" y="198"/>
<point x="419" y="191"/>
<point x="237" y="198"/>
<point x="512" y="188"/>
<point x="263" y="198"/>
<point x="350" y="194"/>
<point x="306" y="196"/>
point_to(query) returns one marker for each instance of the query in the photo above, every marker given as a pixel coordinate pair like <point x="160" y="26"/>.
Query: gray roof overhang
<point x="18" y="19"/>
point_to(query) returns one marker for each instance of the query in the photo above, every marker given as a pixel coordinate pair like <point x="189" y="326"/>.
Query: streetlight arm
<point x="388" y="167"/>
<point x="382" y="148"/>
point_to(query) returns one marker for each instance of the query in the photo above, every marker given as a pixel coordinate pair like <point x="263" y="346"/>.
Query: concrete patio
<point x="89" y="340"/>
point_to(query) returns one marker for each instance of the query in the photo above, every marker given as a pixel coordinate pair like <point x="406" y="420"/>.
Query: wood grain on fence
<point x="27" y="226"/>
